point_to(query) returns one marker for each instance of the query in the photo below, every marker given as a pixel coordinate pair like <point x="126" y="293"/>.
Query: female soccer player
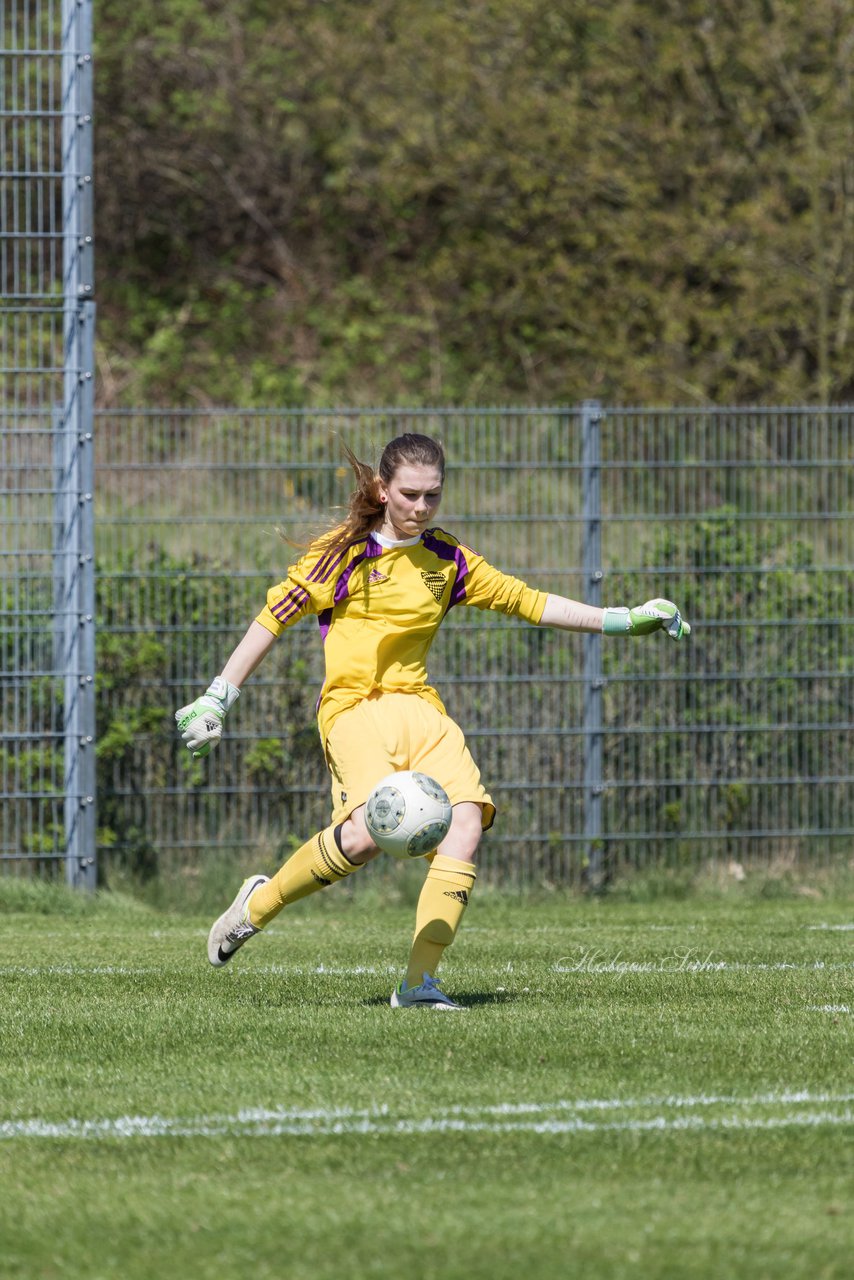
<point x="380" y="585"/>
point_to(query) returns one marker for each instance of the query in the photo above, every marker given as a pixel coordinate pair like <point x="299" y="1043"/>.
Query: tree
<point x="497" y="199"/>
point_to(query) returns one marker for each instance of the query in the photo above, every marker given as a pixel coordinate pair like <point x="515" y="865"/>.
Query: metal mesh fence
<point x="602" y="754"/>
<point x="47" y="767"/>
<point x="746" y="519"/>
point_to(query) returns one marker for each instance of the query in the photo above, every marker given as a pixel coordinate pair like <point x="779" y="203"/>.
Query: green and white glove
<point x="200" y="722"/>
<point x="645" y="618"/>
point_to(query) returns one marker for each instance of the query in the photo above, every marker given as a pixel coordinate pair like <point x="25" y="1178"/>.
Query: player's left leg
<point x="438" y="748"/>
<point x="445" y="893"/>
<point x="443" y="899"/>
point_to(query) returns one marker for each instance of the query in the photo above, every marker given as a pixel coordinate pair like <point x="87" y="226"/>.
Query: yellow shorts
<point x="393" y="731"/>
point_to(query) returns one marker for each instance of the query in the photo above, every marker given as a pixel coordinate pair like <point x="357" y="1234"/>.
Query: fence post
<point x="82" y="870"/>
<point x="75" y="538"/>
<point x="593" y="683"/>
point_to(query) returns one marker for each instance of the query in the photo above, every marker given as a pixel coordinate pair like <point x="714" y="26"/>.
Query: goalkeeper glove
<point x="200" y="722"/>
<point x="645" y="618"/>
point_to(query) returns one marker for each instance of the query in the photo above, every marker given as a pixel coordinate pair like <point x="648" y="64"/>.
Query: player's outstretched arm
<point x="200" y="722"/>
<point x="655" y="615"/>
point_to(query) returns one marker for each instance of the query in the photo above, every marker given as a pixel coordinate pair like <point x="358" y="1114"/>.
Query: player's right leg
<point x="358" y="760"/>
<point x="233" y="927"/>
<point x="326" y="858"/>
<point x="320" y="862"/>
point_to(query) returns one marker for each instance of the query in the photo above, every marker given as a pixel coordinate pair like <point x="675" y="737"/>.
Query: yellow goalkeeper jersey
<point x="379" y="604"/>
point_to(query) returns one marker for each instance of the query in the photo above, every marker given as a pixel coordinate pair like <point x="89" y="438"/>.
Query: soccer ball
<point x="408" y="814"/>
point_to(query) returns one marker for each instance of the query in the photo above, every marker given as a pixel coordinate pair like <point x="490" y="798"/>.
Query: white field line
<point x="837" y="928"/>
<point x="672" y="1114"/>
<point x="593" y="962"/>
<point x="588" y="963"/>
<point x="70" y="969"/>
<point x="619" y="966"/>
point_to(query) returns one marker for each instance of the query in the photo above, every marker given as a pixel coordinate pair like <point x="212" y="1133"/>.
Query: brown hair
<point x="364" y="509"/>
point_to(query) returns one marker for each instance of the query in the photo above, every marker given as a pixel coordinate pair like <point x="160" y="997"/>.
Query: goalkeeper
<point x="380" y="584"/>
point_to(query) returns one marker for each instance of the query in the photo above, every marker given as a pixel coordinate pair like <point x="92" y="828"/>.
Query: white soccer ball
<point x="408" y="814"/>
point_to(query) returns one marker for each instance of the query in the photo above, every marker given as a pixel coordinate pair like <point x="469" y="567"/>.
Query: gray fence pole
<point x="76" y="528"/>
<point x="79" y="630"/>
<point x="591" y="564"/>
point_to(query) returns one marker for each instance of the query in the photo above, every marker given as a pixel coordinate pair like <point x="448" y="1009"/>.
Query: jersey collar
<point x="394" y="543"/>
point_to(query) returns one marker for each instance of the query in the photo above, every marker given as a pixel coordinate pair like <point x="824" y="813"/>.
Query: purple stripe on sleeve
<point x="326" y="566"/>
<point x="289" y="604"/>
<point x="319" y="572"/>
<point x="297" y="597"/>
<point x="458" y="592"/>
<point x="286" y="615"/>
<point x="444" y="550"/>
<point x="371" y="551"/>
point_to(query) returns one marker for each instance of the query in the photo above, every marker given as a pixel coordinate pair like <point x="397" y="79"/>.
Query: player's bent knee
<point x="463" y="839"/>
<point x="356" y="841"/>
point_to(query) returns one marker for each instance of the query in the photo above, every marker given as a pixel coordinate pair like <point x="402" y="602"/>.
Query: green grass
<point x="658" y="1089"/>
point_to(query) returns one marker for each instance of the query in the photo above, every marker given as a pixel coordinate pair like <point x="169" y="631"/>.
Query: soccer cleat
<point x="429" y="995"/>
<point x="233" y="928"/>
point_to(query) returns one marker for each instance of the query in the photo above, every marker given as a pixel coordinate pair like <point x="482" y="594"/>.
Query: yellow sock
<point x="444" y="898"/>
<point x="314" y="866"/>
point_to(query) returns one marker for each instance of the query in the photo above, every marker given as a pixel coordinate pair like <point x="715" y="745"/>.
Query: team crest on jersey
<point x="435" y="582"/>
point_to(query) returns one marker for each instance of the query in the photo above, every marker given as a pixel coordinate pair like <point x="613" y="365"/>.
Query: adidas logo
<point x="210" y="725"/>
<point x="375" y="577"/>
<point x="435" y="582"/>
<point x="458" y="895"/>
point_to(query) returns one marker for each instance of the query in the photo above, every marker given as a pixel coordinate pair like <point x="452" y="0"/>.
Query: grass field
<point x="636" y="1090"/>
